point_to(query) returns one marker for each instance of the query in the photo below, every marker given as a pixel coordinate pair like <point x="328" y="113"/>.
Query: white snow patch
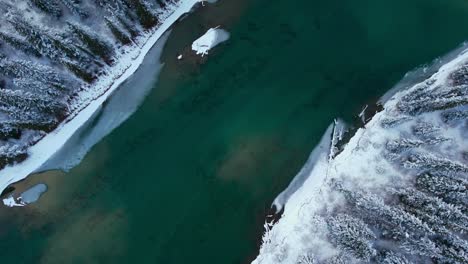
<point x="212" y="38"/>
<point x="11" y="202"/>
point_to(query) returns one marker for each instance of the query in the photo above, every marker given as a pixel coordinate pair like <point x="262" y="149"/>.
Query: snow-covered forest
<point x="395" y="193"/>
<point x="54" y="55"/>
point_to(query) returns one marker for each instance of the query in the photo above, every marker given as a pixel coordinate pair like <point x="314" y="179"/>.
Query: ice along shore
<point x="90" y="101"/>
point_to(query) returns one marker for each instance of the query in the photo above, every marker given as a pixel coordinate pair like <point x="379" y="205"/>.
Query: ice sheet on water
<point x="119" y="107"/>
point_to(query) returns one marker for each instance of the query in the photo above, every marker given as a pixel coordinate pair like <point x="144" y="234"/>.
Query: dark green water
<point x="190" y="176"/>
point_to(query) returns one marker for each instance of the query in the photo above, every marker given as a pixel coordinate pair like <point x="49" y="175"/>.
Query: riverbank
<point x="90" y="101"/>
<point x="378" y="158"/>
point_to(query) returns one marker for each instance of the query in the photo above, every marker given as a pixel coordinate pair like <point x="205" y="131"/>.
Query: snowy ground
<point x="362" y="164"/>
<point x="90" y="100"/>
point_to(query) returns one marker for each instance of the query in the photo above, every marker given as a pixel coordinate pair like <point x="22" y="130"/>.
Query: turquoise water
<point x="190" y="176"/>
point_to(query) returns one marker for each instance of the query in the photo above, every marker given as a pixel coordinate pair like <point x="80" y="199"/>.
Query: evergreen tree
<point x="425" y="99"/>
<point x="11" y="153"/>
<point x="401" y="145"/>
<point x="118" y="33"/>
<point x="460" y="76"/>
<point x="451" y="190"/>
<point x="51" y="46"/>
<point x="352" y="235"/>
<point x="432" y="210"/>
<point x="9" y="131"/>
<point x="307" y="259"/>
<point x="50" y="7"/>
<point x="454" y="115"/>
<point x="338" y="259"/>
<point x="79" y="71"/>
<point x="147" y="18"/>
<point x="46" y="75"/>
<point x="93" y="42"/>
<point x="393" y="258"/>
<point x="19" y="44"/>
<point x="434" y="164"/>
<point x="74" y="7"/>
<point x="132" y="30"/>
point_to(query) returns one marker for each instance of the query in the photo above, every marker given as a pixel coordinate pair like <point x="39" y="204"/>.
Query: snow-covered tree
<point x="432" y="210"/>
<point x="352" y="235"/>
<point x="434" y="164"/>
<point x="74" y="7"/>
<point x="119" y="34"/>
<point x="94" y="43"/>
<point x="451" y="190"/>
<point x="51" y="7"/>
<point x="390" y="257"/>
<point x="19" y="44"/>
<point x="144" y="13"/>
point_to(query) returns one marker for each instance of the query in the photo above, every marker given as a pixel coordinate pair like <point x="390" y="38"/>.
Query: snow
<point x="320" y="152"/>
<point x="212" y="38"/>
<point x="359" y="164"/>
<point x="90" y="100"/>
<point x="11" y="202"/>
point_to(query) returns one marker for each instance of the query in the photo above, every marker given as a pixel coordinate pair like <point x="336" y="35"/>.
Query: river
<point x="191" y="175"/>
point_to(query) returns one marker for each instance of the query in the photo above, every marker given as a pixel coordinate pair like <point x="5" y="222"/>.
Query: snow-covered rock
<point x="212" y="38"/>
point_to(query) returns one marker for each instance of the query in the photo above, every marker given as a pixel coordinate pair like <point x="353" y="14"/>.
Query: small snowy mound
<point x="209" y="40"/>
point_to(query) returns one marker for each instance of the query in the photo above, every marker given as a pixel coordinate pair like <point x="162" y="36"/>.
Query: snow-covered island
<point x="212" y="38"/>
<point x="397" y="192"/>
<point x="54" y="77"/>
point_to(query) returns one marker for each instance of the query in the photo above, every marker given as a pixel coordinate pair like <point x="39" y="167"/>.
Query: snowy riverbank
<point x="421" y="130"/>
<point x="90" y="101"/>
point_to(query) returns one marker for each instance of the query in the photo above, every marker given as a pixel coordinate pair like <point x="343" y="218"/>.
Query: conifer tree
<point x="50" y="7"/>
<point x="93" y="42"/>
<point x="118" y="33"/>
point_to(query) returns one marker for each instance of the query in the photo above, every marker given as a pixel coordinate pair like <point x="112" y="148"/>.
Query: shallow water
<point x="189" y="177"/>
